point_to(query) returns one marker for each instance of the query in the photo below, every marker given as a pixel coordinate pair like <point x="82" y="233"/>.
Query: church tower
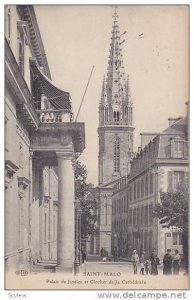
<point x="115" y="134"/>
<point x="115" y="114"/>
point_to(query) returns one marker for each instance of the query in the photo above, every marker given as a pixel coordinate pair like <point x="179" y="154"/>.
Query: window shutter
<point x="170" y="181"/>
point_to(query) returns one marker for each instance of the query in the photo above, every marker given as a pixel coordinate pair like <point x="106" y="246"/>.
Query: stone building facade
<point x="41" y="140"/>
<point x="158" y="166"/>
<point x="115" y="133"/>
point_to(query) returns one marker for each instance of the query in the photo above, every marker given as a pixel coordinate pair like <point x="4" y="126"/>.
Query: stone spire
<point x="115" y="95"/>
<point x="103" y="93"/>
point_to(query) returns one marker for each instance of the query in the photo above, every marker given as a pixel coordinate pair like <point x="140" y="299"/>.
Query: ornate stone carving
<point x="22" y="185"/>
<point x="10" y="170"/>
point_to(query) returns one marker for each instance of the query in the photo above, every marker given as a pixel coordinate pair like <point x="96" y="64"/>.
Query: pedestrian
<point x="135" y="260"/>
<point x="176" y="262"/>
<point x="142" y="262"/>
<point x="167" y="263"/>
<point x="147" y="266"/>
<point x="115" y="253"/>
<point x="83" y="255"/>
<point x="102" y="252"/>
<point x="154" y="262"/>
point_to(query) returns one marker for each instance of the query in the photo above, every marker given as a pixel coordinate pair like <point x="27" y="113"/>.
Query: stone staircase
<point x="44" y="266"/>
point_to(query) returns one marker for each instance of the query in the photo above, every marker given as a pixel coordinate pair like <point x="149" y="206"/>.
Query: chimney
<point x="173" y="120"/>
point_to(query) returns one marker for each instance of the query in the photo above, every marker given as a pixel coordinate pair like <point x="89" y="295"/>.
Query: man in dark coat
<point x="154" y="262"/>
<point x="167" y="263"/>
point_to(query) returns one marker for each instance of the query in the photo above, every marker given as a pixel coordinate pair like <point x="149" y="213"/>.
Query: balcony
<point x="55" y="116"/>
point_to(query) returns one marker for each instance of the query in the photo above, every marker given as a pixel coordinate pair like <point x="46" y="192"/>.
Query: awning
<point x="58" y="98"/>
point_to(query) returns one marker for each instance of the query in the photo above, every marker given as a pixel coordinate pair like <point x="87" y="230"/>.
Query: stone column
<point x="66" y="219"/>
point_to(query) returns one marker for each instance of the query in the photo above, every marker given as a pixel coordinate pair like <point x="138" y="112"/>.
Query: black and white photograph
<point x="96" y="147"/>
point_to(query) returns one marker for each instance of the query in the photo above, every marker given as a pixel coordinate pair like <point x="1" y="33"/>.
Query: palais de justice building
<point x="40" y="146"/>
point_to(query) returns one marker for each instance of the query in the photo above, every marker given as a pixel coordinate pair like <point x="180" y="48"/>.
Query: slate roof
<point x="179" y="127"/>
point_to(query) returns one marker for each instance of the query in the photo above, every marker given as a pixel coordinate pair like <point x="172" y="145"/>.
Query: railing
<point x="55" y="116"/>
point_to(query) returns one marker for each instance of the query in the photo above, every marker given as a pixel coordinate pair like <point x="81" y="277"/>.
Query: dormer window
<point x="179" y="148"/>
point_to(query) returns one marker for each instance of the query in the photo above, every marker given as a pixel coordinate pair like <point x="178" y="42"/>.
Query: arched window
<point x="116" y="116"/>
<point x="116" y="155"/>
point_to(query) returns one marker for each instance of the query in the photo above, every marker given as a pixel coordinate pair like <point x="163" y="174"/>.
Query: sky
<point x="77" y="37"/>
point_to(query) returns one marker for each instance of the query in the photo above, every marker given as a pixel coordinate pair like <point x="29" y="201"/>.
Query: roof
<point x="179" y="127"/>
<point x="57" y="97"/>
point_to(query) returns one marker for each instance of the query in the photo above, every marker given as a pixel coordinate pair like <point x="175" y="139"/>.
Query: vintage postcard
<point x="96" y="147"/>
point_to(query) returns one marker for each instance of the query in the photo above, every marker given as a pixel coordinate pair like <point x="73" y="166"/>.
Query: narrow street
<point x="95" y="266"/>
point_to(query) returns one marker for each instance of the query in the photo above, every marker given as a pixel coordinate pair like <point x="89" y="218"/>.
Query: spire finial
<point x="115" y="14"/>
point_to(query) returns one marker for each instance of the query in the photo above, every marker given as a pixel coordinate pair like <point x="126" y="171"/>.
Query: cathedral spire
<point x="115" y="89"/>
<point x="103" y="95"/>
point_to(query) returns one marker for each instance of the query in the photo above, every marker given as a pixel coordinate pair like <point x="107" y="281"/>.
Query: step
<point x="45" y="264"/>
<point x="47" y="261"/>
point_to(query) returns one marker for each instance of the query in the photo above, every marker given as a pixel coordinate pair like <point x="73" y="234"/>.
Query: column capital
<point x="69" y="155"/>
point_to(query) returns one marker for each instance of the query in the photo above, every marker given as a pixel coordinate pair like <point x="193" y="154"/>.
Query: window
<point x="138" y="190"/>
<point x="142" y="188"/>
<point x="130" y="193"/>
<point x="138" y="216"/>
<point x="116" y="116"/>
<point x="175" y="178"/>
<point x="146" y="186"/>
<point x="146" y="215"/>
<point x="21" y="51"/>
<point x="134" y="216"/>
<point x="179" y="149"/>
<point x="142" y="215"/>
<point x="116" y="155"/>
<point x="178" y="178"/>
<point x="151" y="183"/>
<point x="130" y="217"/>
<point x="134" y="188"/>
<point x="151" y="214"/>
<point x="8" y="25"/>
<point x="176" y="238"/>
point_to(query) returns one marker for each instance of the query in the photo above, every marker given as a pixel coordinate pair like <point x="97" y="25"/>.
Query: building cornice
<point x="27" y="13"/>
<point x="16" y="83"/>
<point x="116" y="128"/>
<point x="157" y="163"/>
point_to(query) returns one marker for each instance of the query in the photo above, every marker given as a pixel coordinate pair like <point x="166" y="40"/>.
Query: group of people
<point x="171" y="264"/>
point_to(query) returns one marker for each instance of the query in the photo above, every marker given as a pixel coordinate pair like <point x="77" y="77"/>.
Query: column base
<point x="66" y="270"/>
